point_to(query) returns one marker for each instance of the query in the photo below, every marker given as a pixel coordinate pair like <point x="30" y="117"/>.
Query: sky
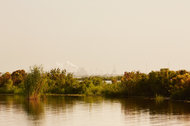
<point x="98" y="36"/>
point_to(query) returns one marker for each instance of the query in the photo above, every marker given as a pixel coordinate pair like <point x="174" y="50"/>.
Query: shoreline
<point x="117" y="97"/>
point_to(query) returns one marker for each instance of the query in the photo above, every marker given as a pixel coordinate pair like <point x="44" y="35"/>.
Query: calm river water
<point x="91" y="111"/>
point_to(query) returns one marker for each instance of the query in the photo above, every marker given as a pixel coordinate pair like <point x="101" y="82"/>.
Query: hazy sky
<point x="98" y="35"/>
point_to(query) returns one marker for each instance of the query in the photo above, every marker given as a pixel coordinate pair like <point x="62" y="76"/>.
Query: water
<point x="91" y="111"/>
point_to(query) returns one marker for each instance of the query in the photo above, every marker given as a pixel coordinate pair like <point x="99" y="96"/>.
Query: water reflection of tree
<point x="142" y="105"/>
<point x="34" y="109"/>
<point x="64" y="105"/>
<point x="10" y="101"/>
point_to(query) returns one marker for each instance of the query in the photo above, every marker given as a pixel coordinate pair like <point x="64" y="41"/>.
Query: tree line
<point x="165" y="82"/>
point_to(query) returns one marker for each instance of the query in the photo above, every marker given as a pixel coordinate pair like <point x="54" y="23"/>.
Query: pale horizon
<point x="102" y="36"/>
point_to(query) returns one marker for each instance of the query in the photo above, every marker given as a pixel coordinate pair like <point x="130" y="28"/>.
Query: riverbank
<point x="78" y="95"/>
<point x="109" y="97"/>
<point x="164" y="83"/>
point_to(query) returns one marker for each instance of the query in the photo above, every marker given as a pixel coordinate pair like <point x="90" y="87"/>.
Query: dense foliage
<point x="167" y="83"/>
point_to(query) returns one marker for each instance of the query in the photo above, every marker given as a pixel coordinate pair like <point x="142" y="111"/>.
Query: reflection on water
<point x="85" y="111"/>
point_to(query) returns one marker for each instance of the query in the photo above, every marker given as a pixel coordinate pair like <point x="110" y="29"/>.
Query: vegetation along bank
<point x="166" y="83"/>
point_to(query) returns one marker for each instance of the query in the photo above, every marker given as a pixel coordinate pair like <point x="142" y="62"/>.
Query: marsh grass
<point x="34" y="83"/>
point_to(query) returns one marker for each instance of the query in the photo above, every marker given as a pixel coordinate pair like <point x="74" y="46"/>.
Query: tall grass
<point x="34" y="83"/>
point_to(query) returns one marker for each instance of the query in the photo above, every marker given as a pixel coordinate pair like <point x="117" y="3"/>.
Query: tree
<point x="5" y="78"/>
<point x="18" y="77"/>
